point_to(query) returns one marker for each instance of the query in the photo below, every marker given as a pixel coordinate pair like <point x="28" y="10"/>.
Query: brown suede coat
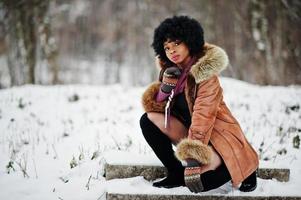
<point x="212" y="121"/>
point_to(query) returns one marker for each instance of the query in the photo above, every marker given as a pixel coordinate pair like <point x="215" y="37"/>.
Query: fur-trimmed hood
<point x="213" y="60"/>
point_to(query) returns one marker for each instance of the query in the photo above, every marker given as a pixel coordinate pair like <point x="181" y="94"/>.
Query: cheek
<point x="168" y="55"/>
<point x="187" y="51"/>
<point x="184" y="52"/>
<point x="183" y="49"/>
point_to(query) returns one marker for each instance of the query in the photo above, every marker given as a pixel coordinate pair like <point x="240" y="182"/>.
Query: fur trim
<point x="193" y="149"/>
<point x="213" y="62"/>
<point x="149" y="102"/>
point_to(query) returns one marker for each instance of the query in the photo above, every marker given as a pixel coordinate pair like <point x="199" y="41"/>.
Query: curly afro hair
<point x="180" y="28"/>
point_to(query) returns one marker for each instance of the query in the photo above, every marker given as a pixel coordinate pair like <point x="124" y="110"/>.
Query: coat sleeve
<point x="149" y="102"/>
<point x="208" y="98"/>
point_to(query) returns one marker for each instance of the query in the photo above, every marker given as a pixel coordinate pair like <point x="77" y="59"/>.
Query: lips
<point x="175" y="58"/>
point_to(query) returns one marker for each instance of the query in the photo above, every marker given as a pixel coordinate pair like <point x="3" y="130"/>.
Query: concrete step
<point x="116" y="196"/>
<point x="114" y="171"/>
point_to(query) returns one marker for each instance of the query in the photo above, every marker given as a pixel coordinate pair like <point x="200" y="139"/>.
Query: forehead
<point x="168" y="40"/>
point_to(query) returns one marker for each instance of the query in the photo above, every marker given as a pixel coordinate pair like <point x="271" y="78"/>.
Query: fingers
<point x="172" y="71"/>
<point x="194" y="187"/>
<point x="191" y="186"/>
<point x="194" y="183"/>
<point x="199" y="186"/>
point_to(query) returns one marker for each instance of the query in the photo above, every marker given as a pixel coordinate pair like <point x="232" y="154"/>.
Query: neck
<point x="187" y="63"/>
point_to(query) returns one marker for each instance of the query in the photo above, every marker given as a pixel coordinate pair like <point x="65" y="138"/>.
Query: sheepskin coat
<point x="211" y="120"/>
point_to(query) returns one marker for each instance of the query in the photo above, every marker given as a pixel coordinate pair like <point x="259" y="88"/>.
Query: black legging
<point x="162" y="147"/>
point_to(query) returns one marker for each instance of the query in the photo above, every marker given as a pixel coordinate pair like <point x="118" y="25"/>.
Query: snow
<point x="44" y="130"/>
<point x="138" y="185"/>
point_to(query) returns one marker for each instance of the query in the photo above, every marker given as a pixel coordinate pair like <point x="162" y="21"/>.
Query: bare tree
<point x="21" y="41"/>
<point x="260" y="37"/>
<point x="27" y="26"/>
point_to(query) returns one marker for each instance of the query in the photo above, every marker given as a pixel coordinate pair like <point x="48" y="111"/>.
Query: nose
<point x="172" y="51"/>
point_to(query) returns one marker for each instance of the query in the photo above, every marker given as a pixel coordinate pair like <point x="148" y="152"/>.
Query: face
<point x="177" y="52"/>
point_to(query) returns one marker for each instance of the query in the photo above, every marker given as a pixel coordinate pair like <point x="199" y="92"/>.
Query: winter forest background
<point x="108" y="41"/>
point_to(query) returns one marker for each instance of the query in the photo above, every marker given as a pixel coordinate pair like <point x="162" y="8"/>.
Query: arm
<point x="194" y="149"/>
<point x="161" y="96"/>
<point x="169" y="81"/>
<point x="148" y="100"/>
<point x="208" y="98"/>
<point x="154" y="97"/>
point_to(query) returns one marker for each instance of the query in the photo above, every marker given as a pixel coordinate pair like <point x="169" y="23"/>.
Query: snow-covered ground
<point x="54" y="140"/>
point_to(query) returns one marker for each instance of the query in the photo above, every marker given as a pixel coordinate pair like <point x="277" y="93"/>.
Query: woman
<point x="186" y="108"/>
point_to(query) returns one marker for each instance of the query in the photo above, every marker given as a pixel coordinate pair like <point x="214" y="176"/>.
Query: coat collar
<point x="213" y="60"/>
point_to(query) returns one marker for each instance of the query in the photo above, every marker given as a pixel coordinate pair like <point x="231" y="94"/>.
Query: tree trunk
<point x="28" y="36"/>
<point x="21" y="41"/>
<point x="47" y="42"/>
<point x="27" y="23"/>
<point x="14" y="60"/>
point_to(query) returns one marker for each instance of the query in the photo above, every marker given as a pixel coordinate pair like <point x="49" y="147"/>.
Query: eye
<point x="177" y="43"/>
<point x="166" y="49"/>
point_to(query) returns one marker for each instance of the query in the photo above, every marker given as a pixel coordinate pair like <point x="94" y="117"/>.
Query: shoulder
<point x="211" y="84"/>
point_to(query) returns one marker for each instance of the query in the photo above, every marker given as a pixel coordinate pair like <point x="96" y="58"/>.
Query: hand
<point x="192" y="176"/>
<point x="170" y="79"/>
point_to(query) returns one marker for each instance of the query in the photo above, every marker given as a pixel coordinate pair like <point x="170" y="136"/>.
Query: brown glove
<point x="192" y="176"/>
<point x="170" y="78"/>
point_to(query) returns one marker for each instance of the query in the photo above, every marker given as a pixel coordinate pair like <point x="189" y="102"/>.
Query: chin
<point x="179" y="62"/>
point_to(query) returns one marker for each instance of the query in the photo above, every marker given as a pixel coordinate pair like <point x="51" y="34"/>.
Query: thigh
<point x="176" y="130"/>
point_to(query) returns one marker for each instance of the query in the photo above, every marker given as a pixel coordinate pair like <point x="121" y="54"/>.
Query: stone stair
<point x="113" y="171"/>
<point x="127" y="180"/>
<point x="111" y="196"/>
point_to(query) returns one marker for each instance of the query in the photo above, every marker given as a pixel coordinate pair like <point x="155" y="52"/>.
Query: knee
<point x="147" y="127"/>
<point x="144" y="121"/>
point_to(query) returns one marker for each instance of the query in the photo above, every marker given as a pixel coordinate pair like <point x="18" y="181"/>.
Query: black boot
<point x="213" y="179"/>
<point x="173" y="179"/>
<point x="249" y="184"/>
<point x="162" y="146"/>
